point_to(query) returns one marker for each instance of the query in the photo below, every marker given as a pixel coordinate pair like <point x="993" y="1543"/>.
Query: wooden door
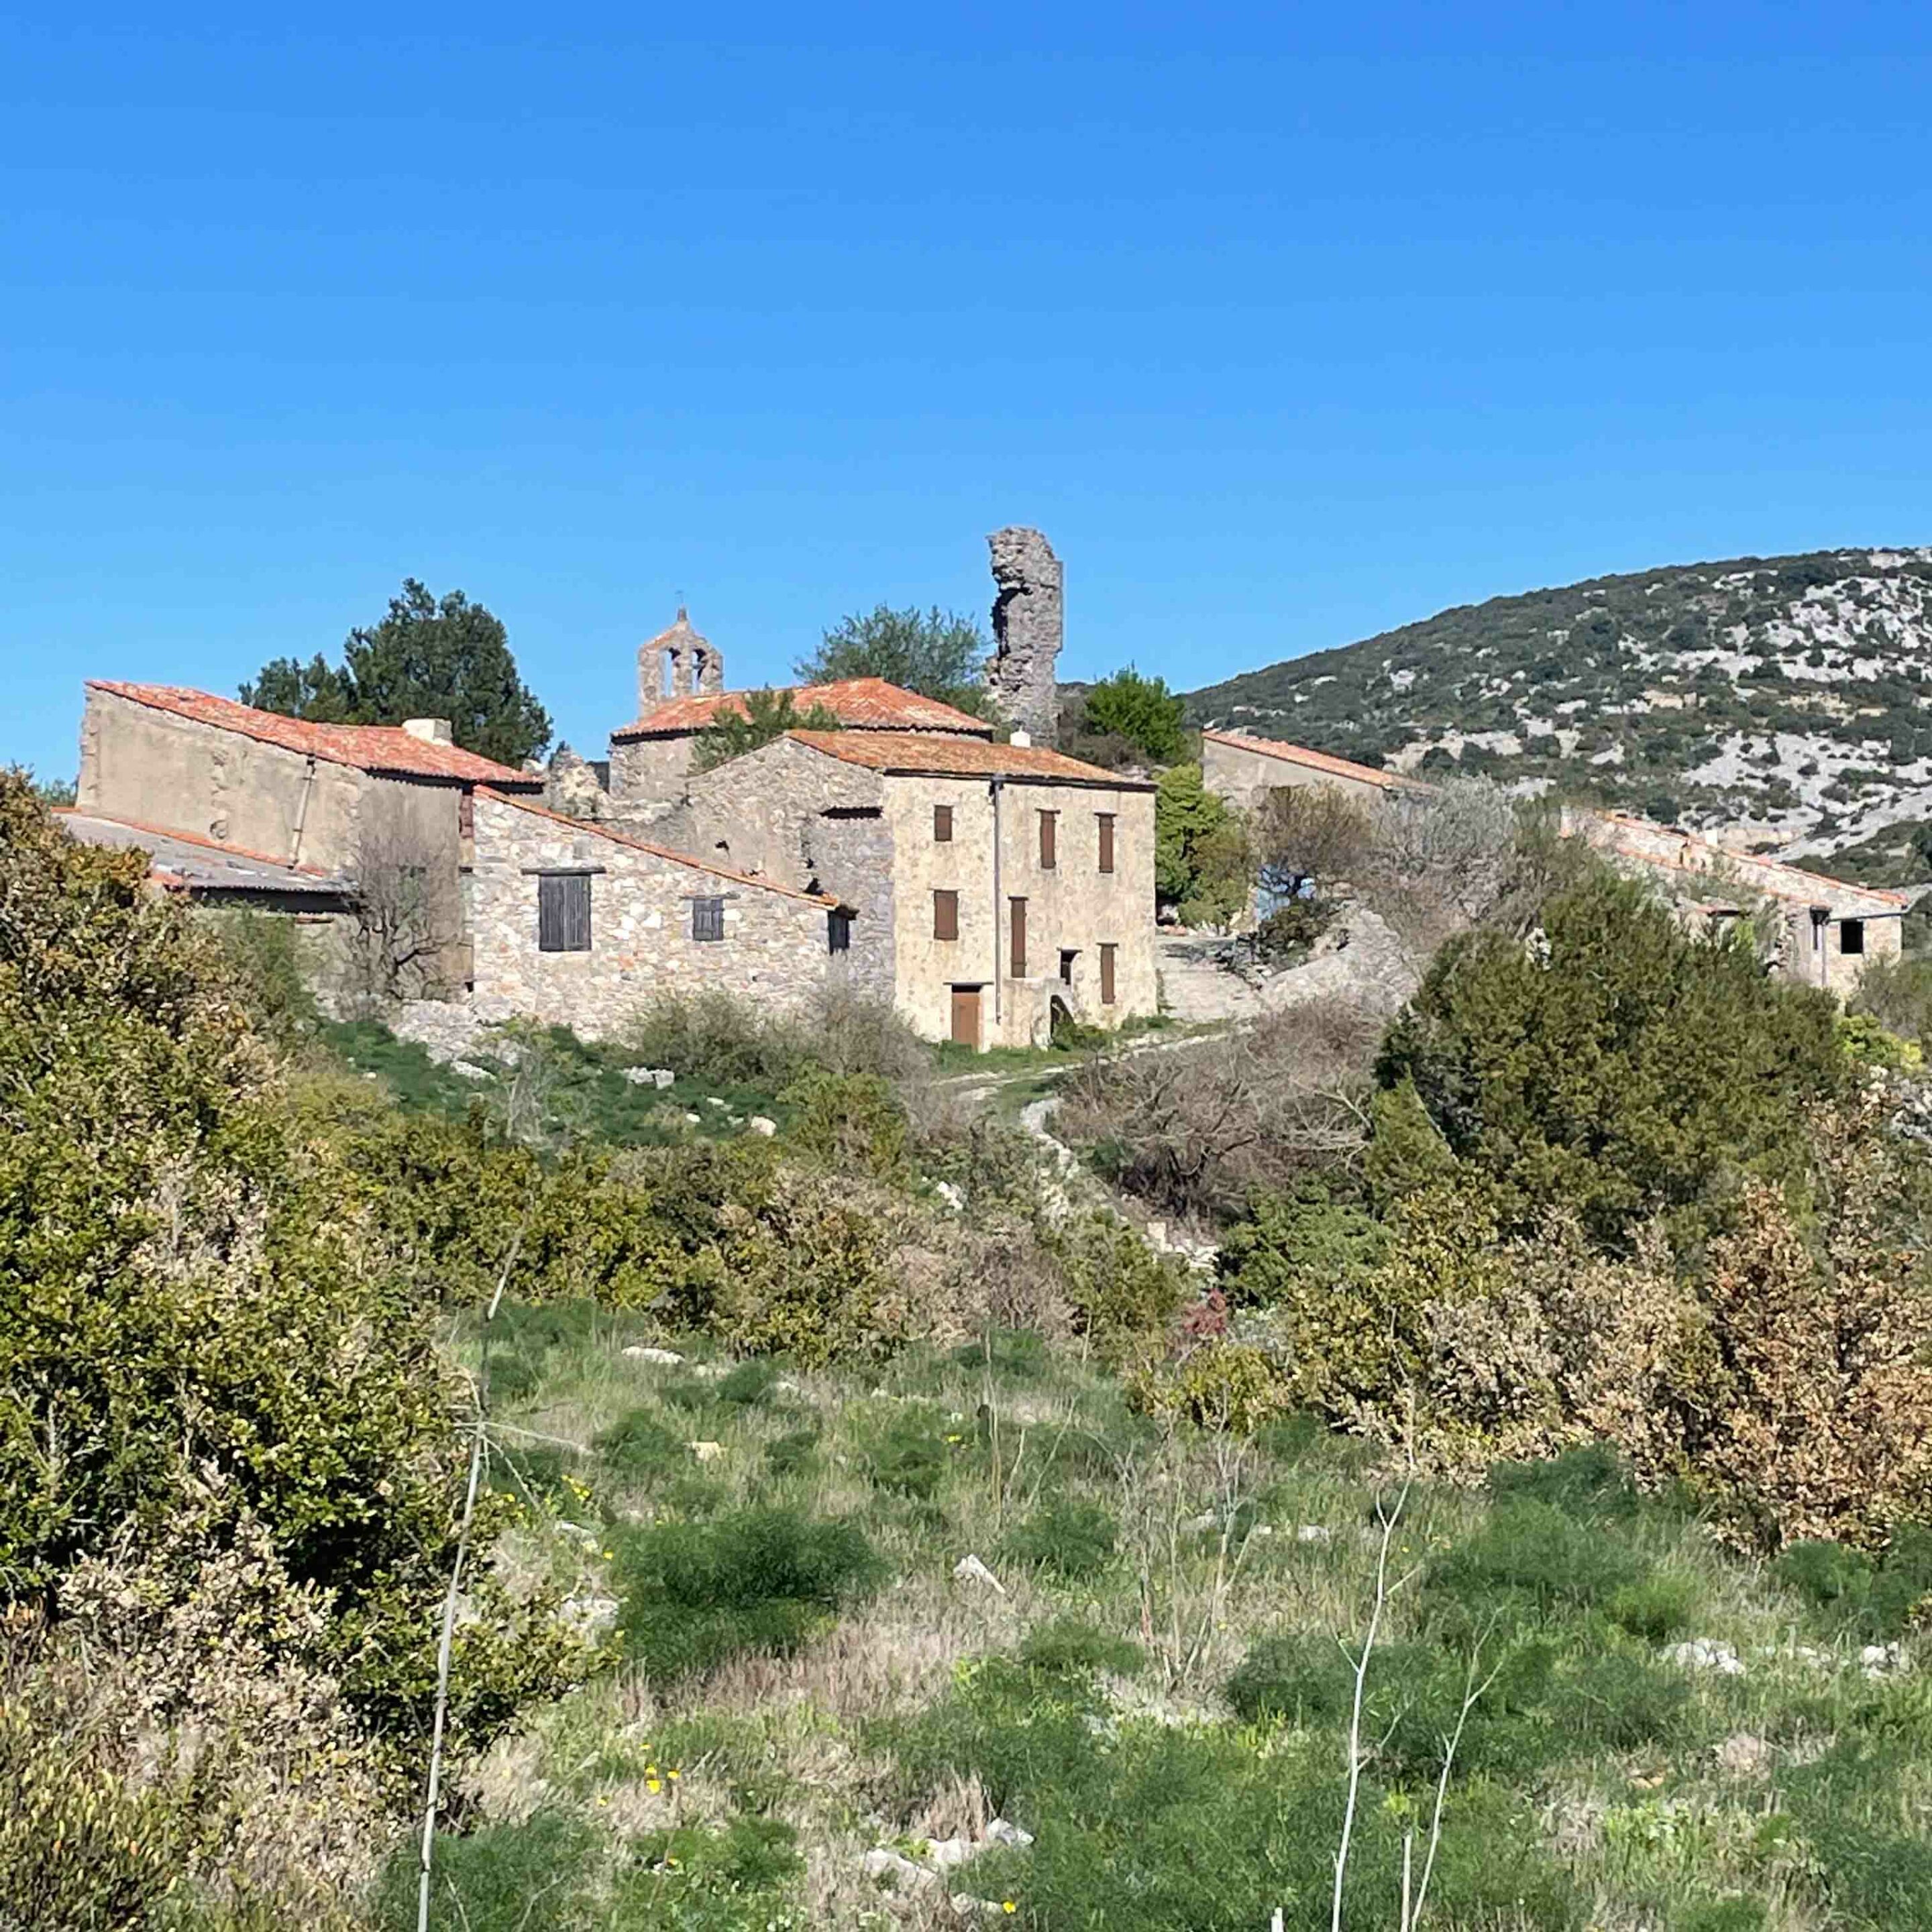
<point x="966" y="1015"/>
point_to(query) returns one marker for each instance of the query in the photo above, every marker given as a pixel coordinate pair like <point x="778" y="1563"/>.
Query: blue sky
<point x="1286" y="324"/>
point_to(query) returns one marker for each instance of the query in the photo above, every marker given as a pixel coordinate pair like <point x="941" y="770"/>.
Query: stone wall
<point x="649" y="770"/>
<point x="774" y="952"/>
<point x="1028" y="621"/>
<point x="1244" y="778"/>
<point x="1073" y="906"/>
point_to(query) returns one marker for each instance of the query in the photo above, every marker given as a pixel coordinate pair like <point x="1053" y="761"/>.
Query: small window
<point x="563" y="912"/>
<point x="942" y="825"/>
<point x="838" y="932"/>
<point x="466" y="815"/>
<point x="1067" y="960"/>
<point x="1049" y="839"/>
<point x="1106" y="976"/>
<point x="1106" y="821"/>
<point x="946" y="915"/>
<point x="707" y="919"/>
<point x="1852" y="936"/>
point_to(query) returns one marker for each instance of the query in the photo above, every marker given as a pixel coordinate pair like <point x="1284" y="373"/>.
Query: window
<point x="466" y="815"/>
<point x="707" y="919"/>
<point x="1067" y="960"/>
<point x="1106" y="823"/>
<point x="1016" y="960"/>
<point x="1106" y="976"/>
<point x="1049" y="839"/>
<point x="838" y="932"/>
<point x="946" y="915"/>
<point x="942" y="825"/>
<point x="1852" y="936"/>
<point x="563" y="912"/>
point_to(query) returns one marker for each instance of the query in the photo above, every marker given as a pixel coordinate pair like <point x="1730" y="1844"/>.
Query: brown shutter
<point x="1017" y="960"/>
<point x="1106" y="819"/>
<point x="563" y="912"/>
<point x="1106" y="976"/>
<point x="942" y="825"/>
<point x="1049" y="823"/>
<point x="946" y="915"/>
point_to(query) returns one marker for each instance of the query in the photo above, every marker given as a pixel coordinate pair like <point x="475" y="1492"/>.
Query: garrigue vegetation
<point x="877" y="1530"/>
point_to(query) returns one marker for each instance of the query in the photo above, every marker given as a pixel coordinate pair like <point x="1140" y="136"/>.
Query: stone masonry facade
<point x="647" y="908"/>
<point x="1029" y="622"/>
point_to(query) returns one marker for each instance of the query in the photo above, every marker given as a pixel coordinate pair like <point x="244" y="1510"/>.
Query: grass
<point x="1157" y="1692"/>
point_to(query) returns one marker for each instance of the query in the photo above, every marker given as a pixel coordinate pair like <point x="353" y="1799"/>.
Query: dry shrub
<point x="1193" y="1130"/>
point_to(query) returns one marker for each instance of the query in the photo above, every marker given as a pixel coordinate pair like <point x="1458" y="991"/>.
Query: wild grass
<point x="1155" y="1686"/>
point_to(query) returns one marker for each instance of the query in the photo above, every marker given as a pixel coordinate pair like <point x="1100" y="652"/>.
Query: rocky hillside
<point x="1787" y="697"/>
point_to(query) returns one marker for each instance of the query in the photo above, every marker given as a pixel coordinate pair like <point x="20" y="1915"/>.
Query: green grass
<point x="1161" y="1695"/>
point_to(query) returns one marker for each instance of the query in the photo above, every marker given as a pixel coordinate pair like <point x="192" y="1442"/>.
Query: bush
<point x="1869" y="1598"/>
<point x="853" y="1122"/>
<point x="760" y="1580"/>
<point x="1217" y="1384"/>
<point x="1067" y="1538"/>
<point x="1140" y="710"/>
<point x="906" y="1451"/>
<point x="1529" y="1557"/>
<point x="1200" y="856"/>
<point x="1124" y="1295"/>
<point x="1284" y="937"/>
<point x="1066" y="1647"/>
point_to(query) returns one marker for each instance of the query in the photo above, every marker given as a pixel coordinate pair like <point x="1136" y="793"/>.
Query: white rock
<point x="711" y="1100"/>
<point x="577" y="1533"/>
<point x="953" y="1194"/>
<point x="468" y="1069"/>
<point x="1744" y="1755"/>
<point x="971" y="1569"/>
<point x="965" y="1906"/>
<point x="589" y="1616"/>
<point x="899" y="1872"/>
<point x="1315" y="1532"/>
<point x="759" y="1124"/>
<point x="999" y="1831"/>
<point x="945" y="1853"/>
<point x="693" y="1119"/>
<point x="1882" y="1659"/>
<point x="734" y="1119"/>
<point x="659" y="1077"/>
<point x="706" y="1452"/>
<point x="710" y="1371"/>
<point x="1701" y="1653"/>
<point x="664" y="1358"/>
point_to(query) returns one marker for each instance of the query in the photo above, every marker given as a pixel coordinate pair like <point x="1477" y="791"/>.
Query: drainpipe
<point x="994" y="788"/>
<point x="301" y="812"/>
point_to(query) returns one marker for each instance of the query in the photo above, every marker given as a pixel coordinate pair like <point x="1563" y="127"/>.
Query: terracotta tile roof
<point x="1666" y="849"/>
<point x="592" y="829"/>
<point x="386" y="748"/>
<point x="1318" y="761"/>
<point x="949" y="757"/>
<point x="187" y="861"/>
<point x="860" y="704"/>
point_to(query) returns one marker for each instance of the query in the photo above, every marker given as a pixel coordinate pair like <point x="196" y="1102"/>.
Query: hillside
<point x="1786" y="696"/>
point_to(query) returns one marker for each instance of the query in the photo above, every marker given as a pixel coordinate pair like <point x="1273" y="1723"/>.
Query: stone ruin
<point x="1027" y="626"/>
<point x="696" y="668"/>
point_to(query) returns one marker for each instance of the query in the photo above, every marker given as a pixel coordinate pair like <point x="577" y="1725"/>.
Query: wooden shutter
<point x="1106" y="819"/>
<point x="1016" y="962"/>
<point x="1106" y="976"/>
<point x="1049" y="839"/>
<point x="942" y="825"/>
<point x="946" y="915"/>
<point x="838" y="931"/>
<point x="707" y="919"/>
<point x="563" y="912"/>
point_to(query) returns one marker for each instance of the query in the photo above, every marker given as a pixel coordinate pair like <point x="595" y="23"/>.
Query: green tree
<point x="1620" y="1066"/>
<point x="937" y="653"/>
<point x="1200" y="851"/>
<point x="428" y="657"/>
<point x="767" y="714"/>
<point x="1140" y="709"/>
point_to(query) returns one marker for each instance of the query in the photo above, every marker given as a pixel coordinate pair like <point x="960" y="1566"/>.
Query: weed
<point x="1067" y="1538"/>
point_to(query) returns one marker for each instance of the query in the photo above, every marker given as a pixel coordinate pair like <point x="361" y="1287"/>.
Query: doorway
<point x="966" y="1016"/>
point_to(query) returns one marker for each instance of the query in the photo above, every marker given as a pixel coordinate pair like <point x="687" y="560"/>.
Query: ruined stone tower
<point x="1027" y="623"/>
<point x="695" y="667"/>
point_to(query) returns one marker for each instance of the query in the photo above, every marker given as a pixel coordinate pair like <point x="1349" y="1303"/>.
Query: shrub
<point x="1123" y="1294"/>
<point x="1140" y="710"/>
<point x="1067" y="1538"/>
<point x="1218" y="1384"/>
<point x="1284" y="938"/>
<point x="759" y="1580"/>
<point x="905" y="1451"/>
<point x="853" y="1122"/>
<point x="1873" y="1597"/>
<point x="1529" y="1557"/>
<point x="1067" y="1647"/>
<point x="1589" y="1483"/>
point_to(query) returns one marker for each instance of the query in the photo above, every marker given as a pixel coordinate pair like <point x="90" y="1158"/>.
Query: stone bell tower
<point x="695" y="667"/>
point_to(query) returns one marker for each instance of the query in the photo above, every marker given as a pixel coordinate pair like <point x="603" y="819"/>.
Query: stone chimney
<point x="694" y="666"/>
<point x="1027" y="626"/>
<point x="432" y="730"/>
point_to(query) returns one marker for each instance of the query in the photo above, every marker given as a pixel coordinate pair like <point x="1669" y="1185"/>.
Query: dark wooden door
<point x="966" y="1015"/>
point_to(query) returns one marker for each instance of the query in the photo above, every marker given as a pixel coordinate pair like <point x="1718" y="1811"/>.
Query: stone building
<point x="1006" y="884"/>
<point x="1029" y="626"/>
<point x="581" y="925"/>
<point x="350" y="799"/>
<point x="1244" y="770"/>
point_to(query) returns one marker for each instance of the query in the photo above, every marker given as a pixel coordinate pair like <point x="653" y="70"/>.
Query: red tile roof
<point x="590" y="827"/>
<point x="84" y="819"/>
<point x="1318" y="761"/>
<point x="944" y="756"/>
<point x="859" y="704"/>
<point x="386" y="748"/>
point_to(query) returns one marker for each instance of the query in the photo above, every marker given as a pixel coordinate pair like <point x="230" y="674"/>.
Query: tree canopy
<point x="937" y="653"/>
<point x="427" y="657"/>
<point x="1142" y="710"/>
